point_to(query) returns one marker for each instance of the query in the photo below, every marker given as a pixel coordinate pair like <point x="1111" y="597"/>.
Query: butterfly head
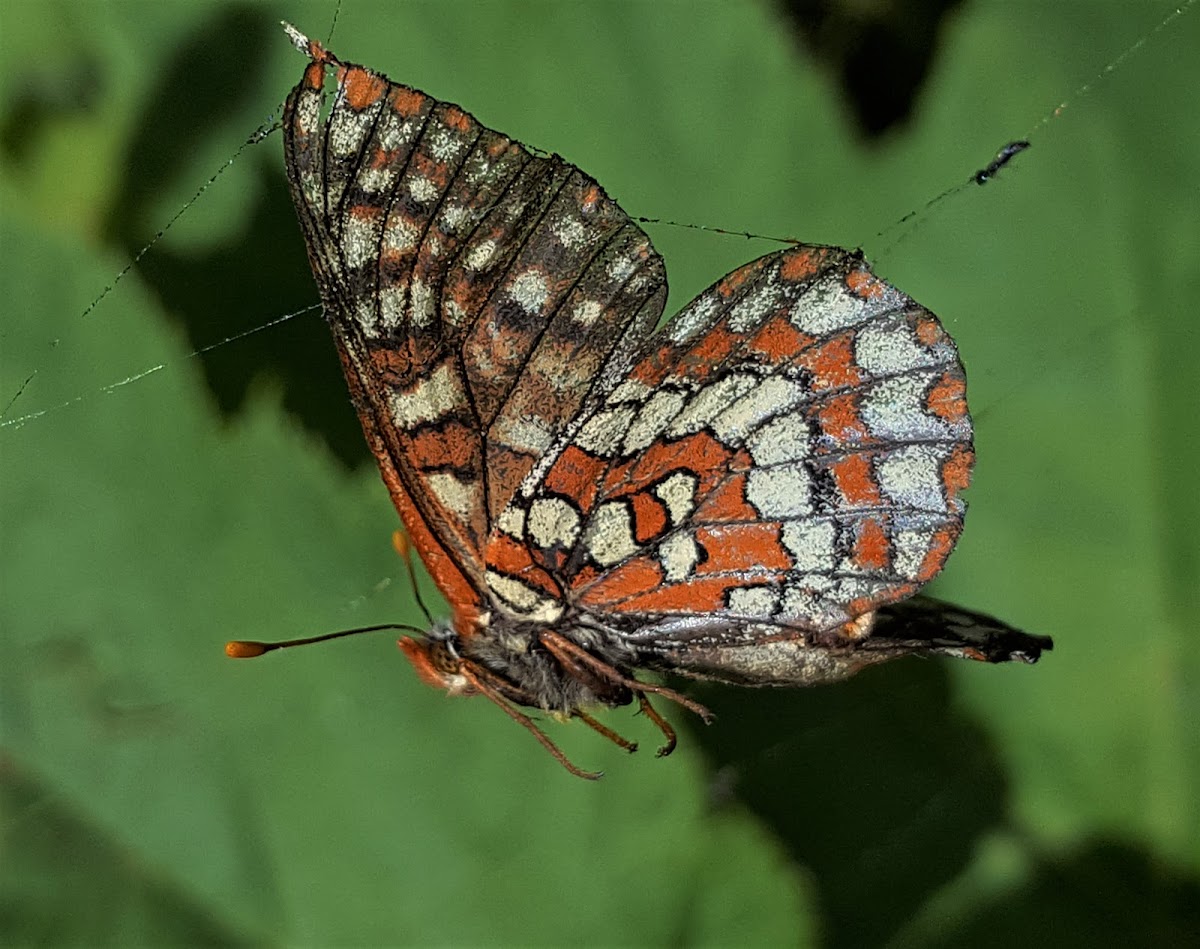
<point x="436" y="659"/>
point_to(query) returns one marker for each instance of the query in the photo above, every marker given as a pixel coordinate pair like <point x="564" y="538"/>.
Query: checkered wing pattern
<point x="787" y="452"/>
<point x="479" y="295"/>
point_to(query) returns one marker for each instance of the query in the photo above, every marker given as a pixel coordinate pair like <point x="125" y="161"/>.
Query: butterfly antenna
<point x="249" y="649"/>
<point x="404" y="548"/>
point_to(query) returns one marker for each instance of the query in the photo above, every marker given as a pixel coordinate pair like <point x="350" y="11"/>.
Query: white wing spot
<point x="364" y="313"/>
<point x="530" y="290"/>
<point x="453" y="217"/>
<point x="457" y="496"/>
<point x="445" y="144"/>
<point x="308" y="112"/>
<point x="512" y="521"/>
<point x="849" y="589"/>
<point x="601" y="434"/>
<point x="810" y="543"/>
<point x="678" y="555"/>
<point x="529" y="603"/>
<point x="347" y="129"/>
<point x="376" y="179"/>
<point x="885" y="349"/>
<point x="422" y="189"/>
<point x="392" y="300"/>
<point x="709" y="402"/>
<point x="759" y="303"/>
<point x="552" y="522"/>
<point x="391" y="133"/>
<point x="781" y="440"/>
<point x="480" y="256"/>
<point x="429" y="399"/>
<point x="893" y="409"/>
<point x="909" y="548"/>
<point x="696" y="316"/>
<point x="610" y="534"/>
<point x="570" y="233"/>
<point x="757" y="602"/>
<point x="525" y="433"/>
<point x="678" y="493"/>
<point x="828" y="306"/>
<point x="631" y="390"/>
<point x="480" y="170"/>
<point x="586" y="312"/>
<point x="663" y="405"/>
<point x="814" y="602"/>
<point x="422" y="303"/>
<point x="768" y="398"/>
<point x="640" y="284"/>
<point x="620" y="268"/>
<point x="399" y="235"/>
<point x="911" y="477"/>
<point x="779" y="492"/>
<point x="452" y="312"/>
<point x="358" y="240"/>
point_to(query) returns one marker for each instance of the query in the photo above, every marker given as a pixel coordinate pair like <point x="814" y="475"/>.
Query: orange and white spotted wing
<point x="478" y="295"/>
<point x="788" y="450"/>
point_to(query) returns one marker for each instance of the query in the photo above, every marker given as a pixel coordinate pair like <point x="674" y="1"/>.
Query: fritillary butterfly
<point x="751" y="493"/>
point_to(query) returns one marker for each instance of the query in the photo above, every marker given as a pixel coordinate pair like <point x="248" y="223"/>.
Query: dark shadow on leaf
<point x="52" y="848"/>
<point x="1104" y="894"/>
<point x="259" y="271"/>
<point x="880" y="786"/>
<point x="42" y="98"/>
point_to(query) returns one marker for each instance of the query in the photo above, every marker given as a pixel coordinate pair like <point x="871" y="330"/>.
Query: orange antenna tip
<point x="240" y="649"/>
<point x="401" y="543"/>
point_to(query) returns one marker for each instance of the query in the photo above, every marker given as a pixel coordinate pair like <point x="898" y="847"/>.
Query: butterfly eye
<point x="442" y="658"/>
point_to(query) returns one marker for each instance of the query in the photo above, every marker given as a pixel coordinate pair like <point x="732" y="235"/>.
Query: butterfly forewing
<point x="478" y="294"/>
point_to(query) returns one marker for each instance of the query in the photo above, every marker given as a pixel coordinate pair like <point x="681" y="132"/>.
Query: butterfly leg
<point x="476" y="676"/>
<point x="663" y="726"/>
<point x="569" y="654"/>
<point x="601" y="729"/>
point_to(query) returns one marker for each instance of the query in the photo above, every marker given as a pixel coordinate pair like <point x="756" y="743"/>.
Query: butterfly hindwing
<point x="789" y="449"/>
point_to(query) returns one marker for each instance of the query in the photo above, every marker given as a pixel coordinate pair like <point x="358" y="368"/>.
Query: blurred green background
<point x="153" y="792"/>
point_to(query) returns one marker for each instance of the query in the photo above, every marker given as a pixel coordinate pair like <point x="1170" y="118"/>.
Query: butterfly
<point x="752" y="493"/>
